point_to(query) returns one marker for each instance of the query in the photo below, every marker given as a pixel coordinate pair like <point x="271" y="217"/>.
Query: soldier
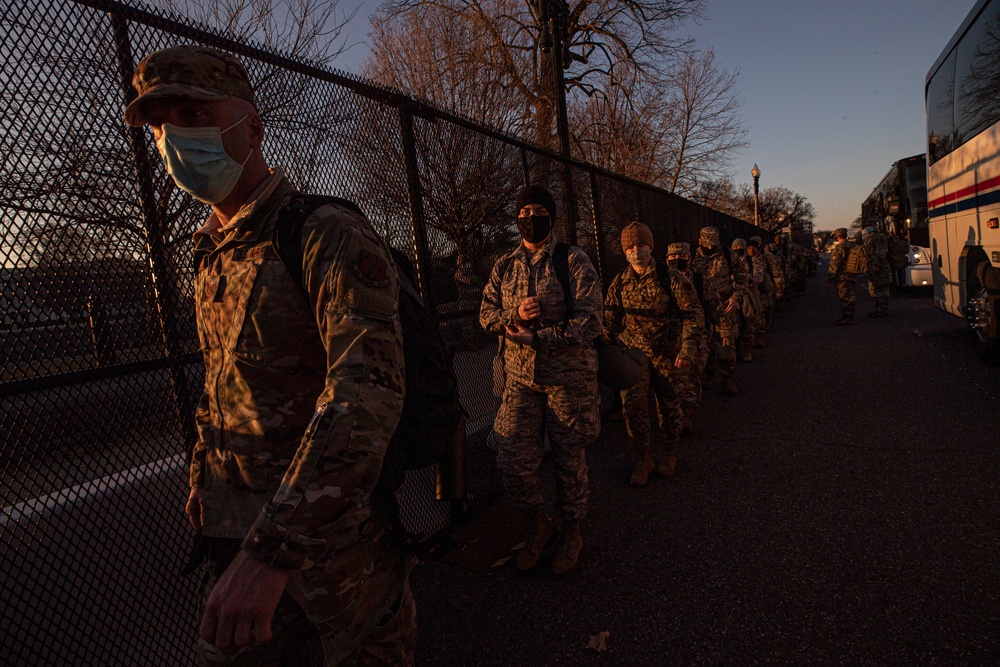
<point x="777" y="271"/>
<point x="838" y="276"/>
<point x="879" y="272"/>
<point x="728" y="274"/>
<point x="548" y="331"/>
<point x="655" y="309"/>
<point x="750" y="308"/>
<point x="688" y="386"/>
<point x="300" y="397"/>
<point x="766" y="286"/>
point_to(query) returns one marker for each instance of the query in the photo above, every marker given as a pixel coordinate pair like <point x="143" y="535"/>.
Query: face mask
<point x="638" y="256"/>
<point x="710" y="250"/>
<point x="196" y="159"/>
<point x="740" y="251"/>
<point x="679" y="264"/>
<point x="534" y="228"/>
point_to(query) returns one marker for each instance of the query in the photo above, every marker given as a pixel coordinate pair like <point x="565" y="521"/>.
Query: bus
<point x="898" y="206"/>
<point x="962" y="103"/>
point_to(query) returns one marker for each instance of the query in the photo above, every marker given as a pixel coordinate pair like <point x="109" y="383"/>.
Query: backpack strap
<point x="287" y="235"/>
<point x="560" y="262"/>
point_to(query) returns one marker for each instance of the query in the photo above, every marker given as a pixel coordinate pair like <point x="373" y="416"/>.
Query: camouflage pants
<point x="635" y="407"/>
<point x="378" y="627"/>
<point x="845" y="291"/>
<point x="687" y="381"/>
<point x="878" y="289"/>
<point x="570" y="416"/>
<point x="722" y="346"/>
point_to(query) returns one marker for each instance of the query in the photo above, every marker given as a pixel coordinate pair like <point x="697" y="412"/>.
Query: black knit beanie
<point x="536" y="194"/>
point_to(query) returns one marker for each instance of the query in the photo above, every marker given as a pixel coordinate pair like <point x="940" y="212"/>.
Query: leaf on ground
<point x="598" y="641"/>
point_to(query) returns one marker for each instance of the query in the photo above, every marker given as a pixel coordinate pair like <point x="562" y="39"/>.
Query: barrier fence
<point x="100" y="361"/>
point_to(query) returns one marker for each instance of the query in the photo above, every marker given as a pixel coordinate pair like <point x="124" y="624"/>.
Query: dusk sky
<point x="832" y="91"/>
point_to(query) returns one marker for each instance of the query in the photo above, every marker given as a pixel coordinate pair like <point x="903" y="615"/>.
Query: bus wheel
<point x="981" y="315"/>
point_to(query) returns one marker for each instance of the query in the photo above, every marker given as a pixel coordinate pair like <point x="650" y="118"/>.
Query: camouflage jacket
<point x="838" y="261"/>
<point x="564" y="350"/>
<point x="711" y="303"/>
<point x="756" y="269"/>
<point x="774" y="268"/>
<point x="637" y="309"/>
<point x="728" y="276"/>
<point x="876" y="250"/>
<point x="300" y="399"/>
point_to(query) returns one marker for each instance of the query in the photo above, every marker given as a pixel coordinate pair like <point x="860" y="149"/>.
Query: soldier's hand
<point x="733" y="304"/>
<point x="681" y="363"/>
<point x="530" y="308"/>
<point x="518" y="334"/>
<point x="242" y="604"/>
<point x="194" y="508"/>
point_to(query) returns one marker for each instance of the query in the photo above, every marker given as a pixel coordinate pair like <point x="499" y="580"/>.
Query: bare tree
<point x="703" y="114"/>
<point x="606" y="41"/>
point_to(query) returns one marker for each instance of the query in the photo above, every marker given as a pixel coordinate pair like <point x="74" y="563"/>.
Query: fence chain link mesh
<point x="100" y="360"/>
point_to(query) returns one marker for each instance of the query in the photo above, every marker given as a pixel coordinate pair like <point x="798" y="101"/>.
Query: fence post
<point x="165" y="291"/>
<point x="595" y="207"/>
<point x="416" y="201"/>
<point x="525" y="168"/>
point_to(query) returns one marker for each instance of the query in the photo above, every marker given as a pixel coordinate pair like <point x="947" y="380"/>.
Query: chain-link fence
<point x="100" y="361"/>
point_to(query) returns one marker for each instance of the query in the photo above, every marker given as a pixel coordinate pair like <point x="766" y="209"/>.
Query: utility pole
<point x="554" y="16"/>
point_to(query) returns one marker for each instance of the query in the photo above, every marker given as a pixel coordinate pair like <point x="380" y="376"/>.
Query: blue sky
<point x="832" y="90"/>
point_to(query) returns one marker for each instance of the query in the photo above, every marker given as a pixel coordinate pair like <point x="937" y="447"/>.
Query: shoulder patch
<point x="370" y="269"/>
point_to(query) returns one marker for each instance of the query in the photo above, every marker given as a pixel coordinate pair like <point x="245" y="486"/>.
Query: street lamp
<point x="755" y="172"/>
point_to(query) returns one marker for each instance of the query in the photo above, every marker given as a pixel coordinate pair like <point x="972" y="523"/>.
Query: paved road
<point x="842" y="510"/>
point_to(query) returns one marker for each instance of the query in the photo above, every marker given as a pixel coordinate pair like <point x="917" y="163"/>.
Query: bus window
<point x="941" y="111"/>
<point x="977" y="104"/>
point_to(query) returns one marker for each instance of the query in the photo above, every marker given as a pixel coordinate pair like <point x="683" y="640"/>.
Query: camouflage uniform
<point x="298" y="408"/>
<point x="729" y="276"/>
<point x="777" y="274"/>
<point x="879" y="271"/>
<point x="551" y="384"/>
<point x="751" y="310"/>
<point x="838" y="276"/>
<point x="637" y="309"/>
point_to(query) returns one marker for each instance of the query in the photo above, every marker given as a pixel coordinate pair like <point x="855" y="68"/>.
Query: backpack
<point x="899" y="252"/>
<point x="856" y="260"/>
<point x="431" y="428"/>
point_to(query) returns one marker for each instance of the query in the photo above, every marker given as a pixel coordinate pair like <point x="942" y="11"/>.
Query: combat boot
<point x="539" y="534"/>
<point x="710" y="379"/>
<point x="844" y="319"/>
<point x="759" y="343"/>
<point x="640" y="473"/>
<point x="745" y="355"/>
<point x="667" y="466"/>
<point x="729" y="386"/>
<point x="568" y="551"/>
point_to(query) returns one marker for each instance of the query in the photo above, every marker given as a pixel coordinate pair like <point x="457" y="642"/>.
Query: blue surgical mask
<point x="196" y="159"/>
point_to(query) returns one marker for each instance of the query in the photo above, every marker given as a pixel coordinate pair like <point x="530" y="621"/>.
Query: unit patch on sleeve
<point x="371" y="269"/>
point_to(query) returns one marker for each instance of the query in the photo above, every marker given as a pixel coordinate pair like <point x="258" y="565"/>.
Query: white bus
<point x="962" y="101"/>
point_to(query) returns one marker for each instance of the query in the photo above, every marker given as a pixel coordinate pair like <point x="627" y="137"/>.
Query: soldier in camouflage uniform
<point x="300" y="397"/>
<point x="750" y="307"/>
<point x="551" y="375"/>
<point x="766" y="286"/>
<point x="688" y="383"/>
<point x="667" y="328"/>
<point x="777" y="272"/>
<point x="780" y="251"/>
<point x="729" y="276"/>
<point x="879" y="272"/>
<point x="837" y="276"/>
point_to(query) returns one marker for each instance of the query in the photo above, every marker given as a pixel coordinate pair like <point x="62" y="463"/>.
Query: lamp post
<point x="755" y="172"/>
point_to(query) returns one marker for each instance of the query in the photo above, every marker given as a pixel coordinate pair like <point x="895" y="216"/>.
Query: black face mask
<point x="679" y="264"/>
<point x="534" y="228"/>
<point x="741" y="251"/>
<point x="710" y="251"/>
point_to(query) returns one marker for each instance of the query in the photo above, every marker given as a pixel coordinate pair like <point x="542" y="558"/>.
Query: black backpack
<point x="899" y="252"/>
<point x="431" y="428"/>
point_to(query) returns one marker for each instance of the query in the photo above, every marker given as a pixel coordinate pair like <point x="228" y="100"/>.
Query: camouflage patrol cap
<point x="710" y="235"/>
<point x="191" y="72"/>
<point x="680" y="248"/>
<point x="754" y="241"/>
<point x="840" y="232"/>
<point x="738" y="243"/>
